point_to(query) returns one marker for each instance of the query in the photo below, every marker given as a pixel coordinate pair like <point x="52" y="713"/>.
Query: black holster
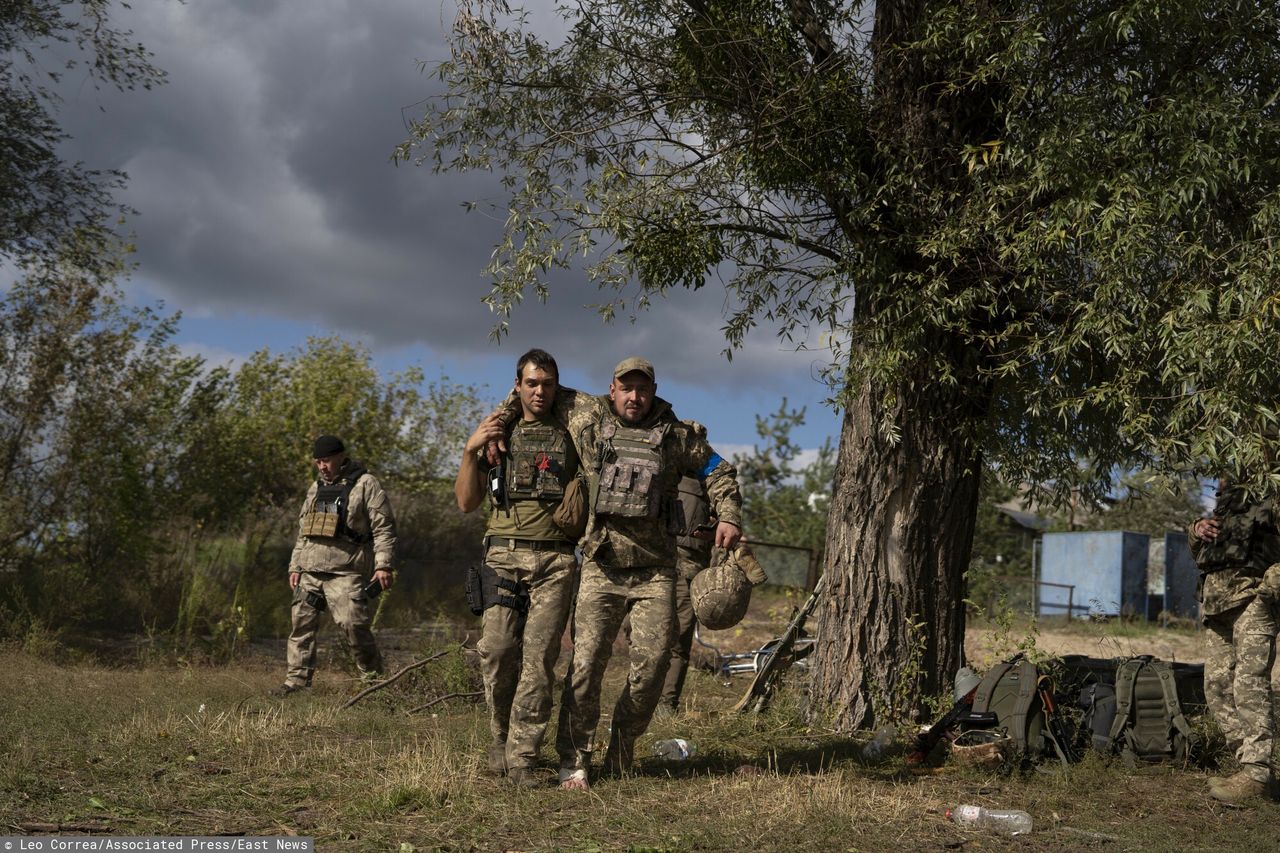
<point x="484" y="588"/>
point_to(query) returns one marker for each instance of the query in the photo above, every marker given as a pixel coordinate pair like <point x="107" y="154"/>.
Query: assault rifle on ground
<point x="927" y="740"/>
<point x="756" y="699"/>
<point x="1063" y="740"/>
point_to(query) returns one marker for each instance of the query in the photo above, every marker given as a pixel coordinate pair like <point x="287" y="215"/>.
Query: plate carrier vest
<point x="539" y="457"/>
<point x="630" y="471"/>
<point x="328" y="515"/>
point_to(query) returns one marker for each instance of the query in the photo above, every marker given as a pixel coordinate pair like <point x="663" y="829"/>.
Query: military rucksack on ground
<point x="1147" y="722"/>
<point x="1010" y="699"/>
<point x="1098" y="701"/>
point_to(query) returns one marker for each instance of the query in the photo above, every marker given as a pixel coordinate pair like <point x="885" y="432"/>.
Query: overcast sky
<point x="269" y="210"/>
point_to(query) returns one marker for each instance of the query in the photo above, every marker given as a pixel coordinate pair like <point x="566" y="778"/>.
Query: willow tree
<point x="1036" y="232"/>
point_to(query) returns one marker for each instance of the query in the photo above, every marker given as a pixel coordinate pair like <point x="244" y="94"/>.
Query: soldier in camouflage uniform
<point x="346" y="529"/>
<point x="693" y="554"/>
<point x="634" y="451"/>
<point x="526" y="548"/>
<point x="1235" y="548"/>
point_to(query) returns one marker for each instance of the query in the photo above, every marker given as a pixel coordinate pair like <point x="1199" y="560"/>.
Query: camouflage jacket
<point x="1233" y="563"/>
<point x="368" y="515"/>
<point x="620" y="542"/>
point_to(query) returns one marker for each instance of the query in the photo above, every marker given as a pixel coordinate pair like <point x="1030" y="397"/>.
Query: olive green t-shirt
<point x="530" y="518"/>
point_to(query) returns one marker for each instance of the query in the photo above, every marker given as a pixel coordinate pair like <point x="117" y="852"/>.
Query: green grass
<point x="165" y="750"/>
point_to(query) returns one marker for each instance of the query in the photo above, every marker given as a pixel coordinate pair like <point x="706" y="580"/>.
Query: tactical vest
<point x="538" y="467"/>
<point x="1247" y="539"/>
<point x="630" y="471"/>
<point x="328" y="515"/>
<point x="694" y="511"/>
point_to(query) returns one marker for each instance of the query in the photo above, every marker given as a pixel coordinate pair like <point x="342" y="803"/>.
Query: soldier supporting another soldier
<point x="634" y="451"/>
<point x="525" y="586"/>
<point x="1236" y="549"/>
<point x="346" y="530"/>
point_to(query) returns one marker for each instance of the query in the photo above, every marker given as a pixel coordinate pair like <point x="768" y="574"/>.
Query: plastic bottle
<point x="1003" y="821"/>
<point x="877" y="745"/>
<point x="674" y="749"/>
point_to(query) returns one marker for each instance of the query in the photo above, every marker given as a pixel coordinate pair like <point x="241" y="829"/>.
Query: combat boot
<point x="497" y="765"/>
<point x="1238" y="789"/>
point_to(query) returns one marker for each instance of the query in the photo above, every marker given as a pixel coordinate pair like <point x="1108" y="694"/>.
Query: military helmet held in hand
<point x="722" y="593"/>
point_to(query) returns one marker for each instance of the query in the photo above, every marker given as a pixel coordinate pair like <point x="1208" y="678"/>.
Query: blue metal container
<point x="1094" y="573"/>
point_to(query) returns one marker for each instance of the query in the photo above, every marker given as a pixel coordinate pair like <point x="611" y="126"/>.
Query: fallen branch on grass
<point x="473" y="695"/>
<point x="373" y="688"/>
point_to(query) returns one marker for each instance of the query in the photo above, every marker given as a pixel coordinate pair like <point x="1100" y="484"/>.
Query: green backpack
<point x="1010" y="691"/>
<point x="1149" y="723"/>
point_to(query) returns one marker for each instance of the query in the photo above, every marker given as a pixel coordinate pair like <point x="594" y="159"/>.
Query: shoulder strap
<point x="1173" y="709"/>
<point x="1028" y="679"/>
<point x="1126" y="679"/>
<point x="982" y="696"/>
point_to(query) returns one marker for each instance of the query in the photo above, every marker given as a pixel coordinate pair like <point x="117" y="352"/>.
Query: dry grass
<point x="204" y="751"/>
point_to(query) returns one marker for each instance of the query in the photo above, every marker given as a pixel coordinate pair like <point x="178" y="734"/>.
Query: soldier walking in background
<point x="634" y="451"/>
<point x="1236" y="549"/>
<point x="693" y="554"/>
<point x="346" y="530"/>
<point x="524" y="589"/>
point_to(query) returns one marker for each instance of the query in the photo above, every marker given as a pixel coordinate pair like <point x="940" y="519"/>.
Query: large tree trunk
<point x="891" y="623"/>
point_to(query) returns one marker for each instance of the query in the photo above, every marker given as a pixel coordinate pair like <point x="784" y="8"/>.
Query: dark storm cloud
<point x="263" y="177"/>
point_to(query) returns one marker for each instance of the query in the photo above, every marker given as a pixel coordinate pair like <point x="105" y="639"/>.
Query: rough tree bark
<point x="898" y="542"/>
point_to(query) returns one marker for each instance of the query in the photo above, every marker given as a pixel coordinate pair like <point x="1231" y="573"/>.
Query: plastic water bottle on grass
<point x="674" y="749"/>
<point x="1002" y="821"/>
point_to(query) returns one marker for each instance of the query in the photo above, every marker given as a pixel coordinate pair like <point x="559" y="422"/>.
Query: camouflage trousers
<point x="1237" y="680"/>
<point x="682" y="637"/>
<point x="518" y="651"/>
<point x="605" y="598"/>
<point x="350" y="611"/>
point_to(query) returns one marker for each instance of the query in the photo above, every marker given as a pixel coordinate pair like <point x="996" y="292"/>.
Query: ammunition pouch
<point x="571" y="515"/>
<point x="328" y="515"/>
<point x="484" y="588"/>
<point x="317" y="601"/>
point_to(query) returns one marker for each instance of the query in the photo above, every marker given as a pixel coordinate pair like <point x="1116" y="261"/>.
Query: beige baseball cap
<point x="628" y="365"/>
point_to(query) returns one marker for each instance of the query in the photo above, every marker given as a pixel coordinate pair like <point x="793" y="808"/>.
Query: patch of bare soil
<point x="983" y="643"/>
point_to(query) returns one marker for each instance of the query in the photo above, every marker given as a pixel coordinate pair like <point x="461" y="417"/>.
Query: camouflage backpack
<point x="1149" y="723"/>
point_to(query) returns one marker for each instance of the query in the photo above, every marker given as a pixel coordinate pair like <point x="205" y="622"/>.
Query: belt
<point x="530" y="544"/>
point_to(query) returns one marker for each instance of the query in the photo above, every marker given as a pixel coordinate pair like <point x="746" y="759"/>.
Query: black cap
<point x="327" y="445"/>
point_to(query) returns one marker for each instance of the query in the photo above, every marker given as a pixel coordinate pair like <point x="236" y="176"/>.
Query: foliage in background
<point x="1151" y="503"/>
<point x="784" y="501"/>
<point x="47" y="203"/>
<point x="148" y="491"/>
<point x="1001" y="548"/>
